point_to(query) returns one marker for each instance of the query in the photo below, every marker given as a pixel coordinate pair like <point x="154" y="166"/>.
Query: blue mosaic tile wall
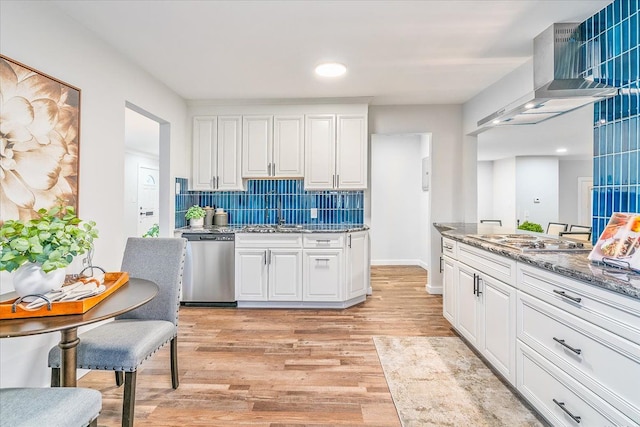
<point x="613" y="55"/>
<point x="259" y="204"/>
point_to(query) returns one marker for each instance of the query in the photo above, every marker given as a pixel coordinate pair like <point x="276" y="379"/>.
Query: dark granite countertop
<point x="272" y="228"/>
<point x="574" y="265"/>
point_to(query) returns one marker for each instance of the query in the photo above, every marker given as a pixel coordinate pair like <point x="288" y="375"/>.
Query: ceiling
<point x="397" y="52"/>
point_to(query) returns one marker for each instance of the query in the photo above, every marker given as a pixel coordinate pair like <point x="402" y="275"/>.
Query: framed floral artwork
<point x="39" y="141"/>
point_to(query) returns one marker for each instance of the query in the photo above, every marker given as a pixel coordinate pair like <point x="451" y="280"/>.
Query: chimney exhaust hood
<point x="558" y="59"/>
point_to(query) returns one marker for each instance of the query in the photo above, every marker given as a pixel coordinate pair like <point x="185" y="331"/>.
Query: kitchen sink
<point x="272" y="228"/>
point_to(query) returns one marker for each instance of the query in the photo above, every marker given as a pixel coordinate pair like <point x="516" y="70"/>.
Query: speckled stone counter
<point x="574" y="265"/>
<point x="272" y="228"/>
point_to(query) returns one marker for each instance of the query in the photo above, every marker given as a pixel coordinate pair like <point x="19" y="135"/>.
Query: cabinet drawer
<point x="549" y="390"/>
<point x="449" y="247"/>
<point x="323" y="240"/>
<point x="603" y="362"/>
<point x="614" y="312"/>
<point x="269" y="240"/>
<point x="494" y="265"/>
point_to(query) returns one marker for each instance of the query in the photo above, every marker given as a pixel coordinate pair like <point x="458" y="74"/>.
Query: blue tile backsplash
<point x="260" y="203"/>
<point x="613" y="55"/>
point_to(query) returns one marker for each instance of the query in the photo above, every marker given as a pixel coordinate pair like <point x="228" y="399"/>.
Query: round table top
<point x="129" y="296"/>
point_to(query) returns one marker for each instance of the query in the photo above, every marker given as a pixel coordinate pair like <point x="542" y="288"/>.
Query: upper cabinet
<point x="273" y="146"/>
<point x="335" y="152"/>
<point x="216" y="153"/>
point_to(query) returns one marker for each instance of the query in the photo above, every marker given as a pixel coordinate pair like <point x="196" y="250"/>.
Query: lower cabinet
<point x="449" y="290"/>
<point x="268" y="274"/>
<point x="357" y="262"/>
<point x="323" y="275"/>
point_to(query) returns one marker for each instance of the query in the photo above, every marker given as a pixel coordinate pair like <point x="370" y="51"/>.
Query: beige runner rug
<point x="438" y="381"/>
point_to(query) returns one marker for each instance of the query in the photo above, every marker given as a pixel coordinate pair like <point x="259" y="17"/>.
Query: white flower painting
<point x="39" y="141"/>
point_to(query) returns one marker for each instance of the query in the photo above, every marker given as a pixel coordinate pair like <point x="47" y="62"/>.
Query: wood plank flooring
<point x="276" y="367"/>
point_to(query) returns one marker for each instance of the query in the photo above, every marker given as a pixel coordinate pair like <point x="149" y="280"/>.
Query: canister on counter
<point x="208" y="216"/>
<point x="220" y="217"/>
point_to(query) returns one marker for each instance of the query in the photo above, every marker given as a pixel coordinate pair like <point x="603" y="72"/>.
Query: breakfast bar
<point x="562" y="330"/>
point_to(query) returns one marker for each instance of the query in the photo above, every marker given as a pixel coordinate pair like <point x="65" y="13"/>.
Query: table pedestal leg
<point x="68" y="357"/>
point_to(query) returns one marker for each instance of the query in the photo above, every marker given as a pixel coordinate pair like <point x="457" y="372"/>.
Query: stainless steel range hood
<point x="558" y="59"/>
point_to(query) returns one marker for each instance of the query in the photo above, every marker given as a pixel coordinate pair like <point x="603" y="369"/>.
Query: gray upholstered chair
<point x="122" y="345"/>
<point x="50" y="407"/>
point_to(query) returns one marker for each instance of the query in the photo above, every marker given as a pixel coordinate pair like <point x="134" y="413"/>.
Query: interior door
<point x="148" y="198"/>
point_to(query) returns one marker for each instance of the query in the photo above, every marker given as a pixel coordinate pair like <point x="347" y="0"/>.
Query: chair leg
<point x="55" y="377"/>
<point x="94" y="423"/>
<point x="119" y="378"/>
<point x="175" y="381"/>
<point x="129" y="400"/>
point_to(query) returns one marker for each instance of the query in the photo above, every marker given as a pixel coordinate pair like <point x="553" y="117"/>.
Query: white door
<point x="229" y="158"/>
<point x="204" y="153"/>
<point x="251" y="275"/>
<point x="449" y="291"/>
<point x="357" y="263"/>
<point x="585" y="196"/>
<point x="148" y="198"/>
<point x="468" y="307"/>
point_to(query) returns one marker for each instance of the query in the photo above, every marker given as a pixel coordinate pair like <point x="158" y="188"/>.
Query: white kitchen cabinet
<point x="469" y="305"/>
<point x="481" y="307"/>
<point x="323" y="274"/>
<point x="499" y="323"/>
<point x="357" y="257"/>
<point x="449" y="291"/>
<point x="272" y="146"/>
<point x="251" y="274"/>
<point x="335" y="152"/>
<point x="216" y="153"/>
<point x="268" y="268"/>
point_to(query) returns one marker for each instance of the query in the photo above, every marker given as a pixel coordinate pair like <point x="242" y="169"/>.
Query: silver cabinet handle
<point x="269" y="169"/>
<point x="273" y="169"/>
<point x="337" y="181"/>
<point x="349" y="240"/>
<point x="449" y="247"/>
<point x="575" y="418"/>
<point x="441" y="268"/>
<point x="479" y="292"/>
<point x="269" y="256"/>
<point x="475" y="283"/>
<point x="563" y="294"/>
<point x="212" y="182"/>
<point x="265" y="257"/>
<point x="323" y="259"/>
<point x="562" y="343"/>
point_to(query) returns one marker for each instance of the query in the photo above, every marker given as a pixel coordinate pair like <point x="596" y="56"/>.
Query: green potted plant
<point x="195" y="214"/>
<point x="39" y="250"/>
<point x="531" y="226"/>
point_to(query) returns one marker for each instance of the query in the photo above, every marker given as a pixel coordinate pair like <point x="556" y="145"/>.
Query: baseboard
<point x="397" y="262"/>
<point x="433" y="290"/>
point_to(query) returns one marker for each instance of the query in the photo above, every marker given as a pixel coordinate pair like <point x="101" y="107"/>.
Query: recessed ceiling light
<point x="496" y="121"/>
<point x="561" y="150"/>
<point x="529" y="105"/>
<point x="330" y="69"/>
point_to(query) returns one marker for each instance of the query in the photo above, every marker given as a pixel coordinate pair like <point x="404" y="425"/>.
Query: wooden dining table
<point x="131" y="295"/>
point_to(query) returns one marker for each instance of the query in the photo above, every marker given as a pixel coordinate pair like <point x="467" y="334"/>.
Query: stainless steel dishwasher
<point x="209" y="270"/>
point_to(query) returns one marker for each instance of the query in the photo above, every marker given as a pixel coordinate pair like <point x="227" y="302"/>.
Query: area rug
<point x="438" y="381"/>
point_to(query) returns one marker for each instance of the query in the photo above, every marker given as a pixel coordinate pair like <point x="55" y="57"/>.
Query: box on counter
<point x="619" y="243"/>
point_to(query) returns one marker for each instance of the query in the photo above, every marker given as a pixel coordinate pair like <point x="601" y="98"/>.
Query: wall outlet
<point x="177" y="188"/>
<point x="314" y="213"/>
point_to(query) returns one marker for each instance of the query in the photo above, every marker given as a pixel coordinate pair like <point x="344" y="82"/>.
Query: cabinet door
<point x="323" y="275"/>
<point x="499" y="320"/>
<point x="251" y="274"/>
<point x="449" y="291"/>
<point x="256" y="146"/>
<point x="229" y="160"/>
<point x="468" y="308"/>
<point x="357" y="265"/>
<point x="351" y="152"/>
<point x="204" y="153"/>
<point x="288" y="146"/>
<point x="285" y="274"/>
<point x="319" y="152"/>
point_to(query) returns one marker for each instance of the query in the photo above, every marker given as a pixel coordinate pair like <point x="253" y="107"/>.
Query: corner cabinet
<point x="216" y="153"/>
<point x="335" y="152"/>
<point x="272" y="146"/>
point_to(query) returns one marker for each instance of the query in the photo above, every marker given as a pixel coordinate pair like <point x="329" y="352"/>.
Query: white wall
<point x="537" y="177"/>
<point x="37" y="34"/>
<point x="504" y="191"/>
<point x="570" y="171"/>
<point x="444" y="123"/>
<point x="485" y="191"/>
<point x="399" y="207"/>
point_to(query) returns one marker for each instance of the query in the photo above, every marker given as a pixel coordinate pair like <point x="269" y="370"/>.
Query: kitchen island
<point x="563" y="331"/>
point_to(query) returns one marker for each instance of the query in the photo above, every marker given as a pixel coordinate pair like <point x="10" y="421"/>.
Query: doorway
<point x="143" y="169"/>
<point x="585" y="196"/>
<point x="400" y="199"/>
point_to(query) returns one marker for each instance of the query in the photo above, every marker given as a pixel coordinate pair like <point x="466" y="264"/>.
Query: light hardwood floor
<point x="257" y="367"/>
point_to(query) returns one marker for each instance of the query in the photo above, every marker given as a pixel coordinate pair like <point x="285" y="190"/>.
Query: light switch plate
<point x="314" y="213"/>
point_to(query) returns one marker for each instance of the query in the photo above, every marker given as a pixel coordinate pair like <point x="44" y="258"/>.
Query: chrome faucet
<point x="281" y="220"/>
